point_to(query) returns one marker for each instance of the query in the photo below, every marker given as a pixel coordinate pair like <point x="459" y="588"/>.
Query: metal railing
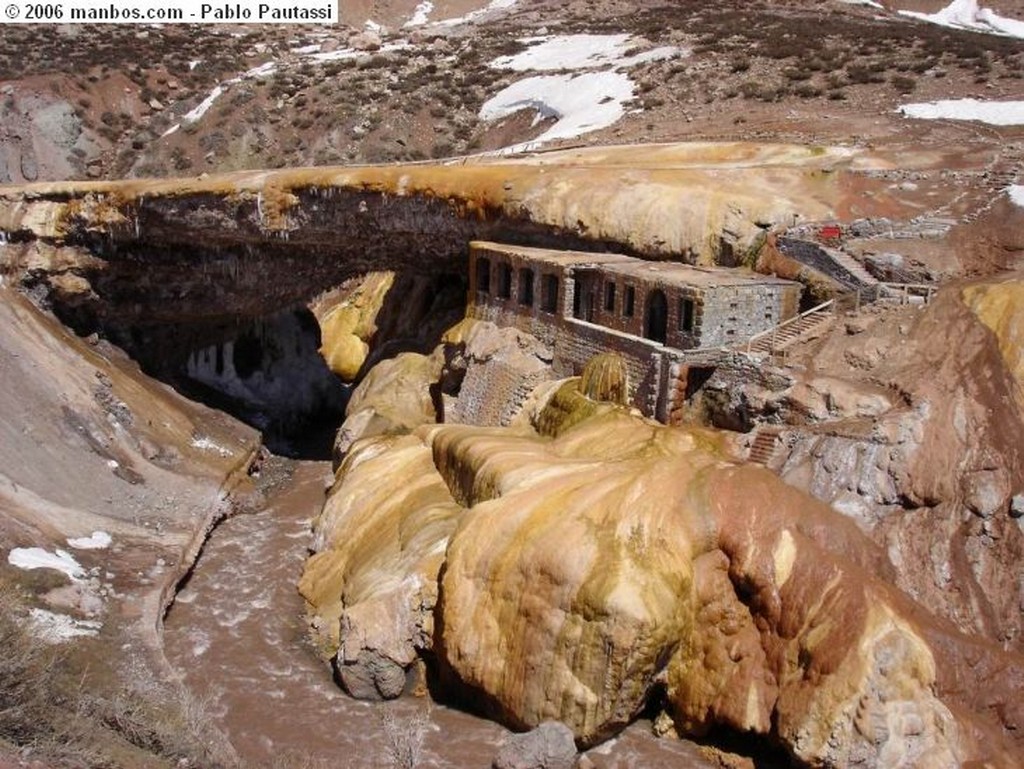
<point x="907" y="292"/>
<point x="773" y="332"/>
<point x="904" y="293"/>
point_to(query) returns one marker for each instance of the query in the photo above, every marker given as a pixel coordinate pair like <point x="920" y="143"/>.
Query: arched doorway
<point x="656" y="325"/>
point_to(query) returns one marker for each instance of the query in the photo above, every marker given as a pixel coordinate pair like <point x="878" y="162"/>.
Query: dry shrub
<point x="51" y="707"/>
<point x="404" y="736"/>
<point x="25" y="673"/>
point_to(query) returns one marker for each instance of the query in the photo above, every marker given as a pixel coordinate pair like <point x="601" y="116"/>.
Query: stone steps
<point x="786" y="335"/>
<point x="765" y="445"/>
<point x="852" y="266"/>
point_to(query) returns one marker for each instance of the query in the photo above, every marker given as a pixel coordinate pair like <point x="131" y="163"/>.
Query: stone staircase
<point x="785" y="334"/>
<point x="839" y="267"/>
<point x="765" y="445"/>
<point x="852" y="266"/>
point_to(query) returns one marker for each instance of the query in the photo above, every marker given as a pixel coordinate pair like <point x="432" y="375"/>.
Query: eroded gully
<point x="237" y="635"/>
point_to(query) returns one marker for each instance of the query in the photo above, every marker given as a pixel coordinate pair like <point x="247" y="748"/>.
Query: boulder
<point x="367" y="40"/>
<point x="370" y="676"/>
<point x="549" y="746"/>
<point x="1017" y="506"/>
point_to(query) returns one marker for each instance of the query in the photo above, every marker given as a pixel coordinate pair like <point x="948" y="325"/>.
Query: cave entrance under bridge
<point x="265" y="371"/>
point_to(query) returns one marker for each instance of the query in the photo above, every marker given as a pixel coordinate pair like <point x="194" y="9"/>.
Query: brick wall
<point x="733" y="314"/>
<point x="718" y="315"/>
<point x="574" y="342"/>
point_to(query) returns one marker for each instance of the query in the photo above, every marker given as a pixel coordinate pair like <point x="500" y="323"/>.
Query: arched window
<point x="526" y="287"/>
<point x="549" y="293"/>
<point x="483" y="275"/>
<point x="656" y="322"/>
<point x="504" y="281"/>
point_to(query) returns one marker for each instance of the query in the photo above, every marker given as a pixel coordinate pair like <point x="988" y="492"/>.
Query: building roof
<point x="672" y="273"/>
<point x="553" y="256"/>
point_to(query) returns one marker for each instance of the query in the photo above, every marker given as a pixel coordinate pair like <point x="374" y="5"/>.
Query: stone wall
<point x="574" y="342"/>
<point x="736" y="313"/>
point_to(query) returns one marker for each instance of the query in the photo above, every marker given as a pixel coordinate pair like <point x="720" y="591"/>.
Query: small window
<point x="549" y="293"/>
<point x="609" y="296"/>
<point x="505" y="281"/>
<point x="686" y="315"/>
<point x="483" y="275"/>
<point x="526" y="287"/>
<point x="629" y="303"/>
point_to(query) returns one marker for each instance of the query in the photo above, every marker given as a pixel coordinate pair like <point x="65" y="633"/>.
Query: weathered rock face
<point x="932" y="479"/>
<point x="348" y="323"/>
<point x="139" y="255"/>
<point x="572" y="575"/>
<point x="394" y="398"/>
<point x="369" y="318"/>
<point x="373" y="580"/>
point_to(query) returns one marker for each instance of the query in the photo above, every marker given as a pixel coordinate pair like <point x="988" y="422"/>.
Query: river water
<point x="237" y="635"/>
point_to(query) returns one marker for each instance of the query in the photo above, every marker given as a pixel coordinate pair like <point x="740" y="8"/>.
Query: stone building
<point x="659" y="316"/>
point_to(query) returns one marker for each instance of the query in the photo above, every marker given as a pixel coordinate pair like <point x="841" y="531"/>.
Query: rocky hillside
<point x="818" y="565"/>
<point x="406" y="83"/>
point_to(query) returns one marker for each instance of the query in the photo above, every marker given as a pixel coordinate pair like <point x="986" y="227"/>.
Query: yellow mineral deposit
<point x="1000" y="306"/>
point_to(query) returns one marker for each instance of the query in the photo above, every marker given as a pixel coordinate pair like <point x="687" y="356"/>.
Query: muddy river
<point x="236" y="633"/>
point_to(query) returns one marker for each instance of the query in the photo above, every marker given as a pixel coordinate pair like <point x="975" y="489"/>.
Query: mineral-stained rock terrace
<point x="540" y="551"/>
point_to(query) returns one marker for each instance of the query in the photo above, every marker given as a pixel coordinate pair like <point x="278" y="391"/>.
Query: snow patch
<point x="201" y="109"/>
<point x="965" y="14"/>
<point x="494" y="5"/>
<point x="54" y="628"/>
<point x="579" y="103"/>
<point x="869" y="3"/>
<point x="420" y="14"/>
<point x="302" y="50"/>
<point x="98" y="540"/>
<point x="560" y="52"/>
<point x="37" y="558"/>
<point x="991" y="112"/>
<point x="352" y="53"/>
<point x="1016" y="193"/>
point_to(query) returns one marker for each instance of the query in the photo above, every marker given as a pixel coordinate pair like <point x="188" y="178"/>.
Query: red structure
<point x="830" y="233"/>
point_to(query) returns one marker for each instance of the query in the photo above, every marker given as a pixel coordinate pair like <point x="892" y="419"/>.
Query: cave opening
<point x="264" y="370"/>
<point x="268" y="373"/>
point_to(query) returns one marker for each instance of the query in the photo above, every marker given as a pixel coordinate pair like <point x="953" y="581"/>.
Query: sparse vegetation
<point x="52" y="705"/>
<point x="404" y="736"/>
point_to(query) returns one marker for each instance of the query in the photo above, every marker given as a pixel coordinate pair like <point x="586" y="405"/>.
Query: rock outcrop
<point x="932" y="478"/>
<point x="549" y="746"/>
<point x="579" y="574"/>
<point x="135" y="256"/>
